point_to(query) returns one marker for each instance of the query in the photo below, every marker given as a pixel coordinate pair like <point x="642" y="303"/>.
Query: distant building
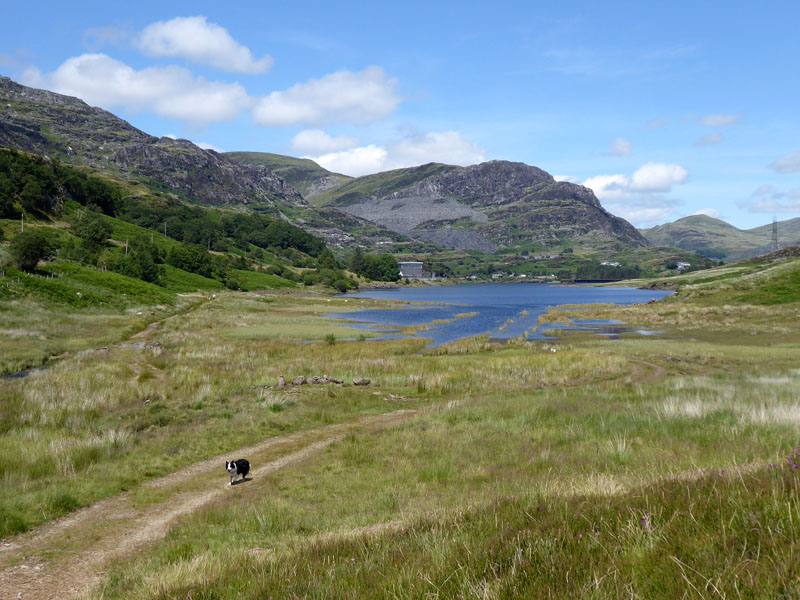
<point x="411" y="270"/>
<point x="683" y="265"/>
<point x="609" y="263"/>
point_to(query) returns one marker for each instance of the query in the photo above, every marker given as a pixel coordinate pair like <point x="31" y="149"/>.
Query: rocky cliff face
<point x="491" y="205"/>
<point x="488" y="184"/>
<point x="495" y="205"/>
<point x="306" y="176"/>
<point x="54" y="125"/>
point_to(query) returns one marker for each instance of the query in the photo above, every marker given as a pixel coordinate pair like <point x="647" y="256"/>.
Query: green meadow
<point x="659" y="466"/>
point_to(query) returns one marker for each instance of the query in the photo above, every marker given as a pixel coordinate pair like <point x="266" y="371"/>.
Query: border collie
<point x="237" y="467"/>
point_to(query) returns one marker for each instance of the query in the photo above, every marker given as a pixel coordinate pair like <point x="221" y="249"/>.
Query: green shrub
<point x="29" y="247"/>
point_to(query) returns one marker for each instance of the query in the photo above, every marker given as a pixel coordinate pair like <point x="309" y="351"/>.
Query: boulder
<point x="361" y="381"/>
<point x="299" y="380"/>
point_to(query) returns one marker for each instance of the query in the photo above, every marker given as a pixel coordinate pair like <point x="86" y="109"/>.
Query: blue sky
<point x="664" y="111"/>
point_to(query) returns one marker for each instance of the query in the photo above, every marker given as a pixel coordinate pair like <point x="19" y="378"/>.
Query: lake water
<point x="504" y="310"/>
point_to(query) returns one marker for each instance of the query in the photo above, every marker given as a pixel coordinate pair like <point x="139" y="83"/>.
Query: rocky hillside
<point x="305" y="175"/>
<point x="63" y="127"/>
<point x="493" y="205"/>
<point x="54" y="125"/>
<point x="717" y="239"/>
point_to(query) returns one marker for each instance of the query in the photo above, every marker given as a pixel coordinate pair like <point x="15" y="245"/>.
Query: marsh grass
<point x="509" y="495"/>
<point x="100" y="421"/>
<point x="68" y="308"/>
<point x="517" y="458"/>
<point x="582" y="546"/>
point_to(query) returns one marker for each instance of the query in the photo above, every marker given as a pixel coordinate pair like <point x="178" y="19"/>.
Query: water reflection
<point x="501" y="310"/>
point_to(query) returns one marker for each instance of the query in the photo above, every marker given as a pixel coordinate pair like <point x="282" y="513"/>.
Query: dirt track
<point x="68" y="557"/>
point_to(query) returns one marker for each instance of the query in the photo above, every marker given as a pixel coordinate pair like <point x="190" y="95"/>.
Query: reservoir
<point x="504" y="310"/>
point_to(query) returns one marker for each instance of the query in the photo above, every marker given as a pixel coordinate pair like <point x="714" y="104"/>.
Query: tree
<point x="389" y="269"/>
<point x="93" y="231"/>
<point x="381" y="268"/>
<point x="32" y="197"/>
<point x="7" y="208"/>
<point x="141" y="261"/>
<point x="28" y="248"/>
<point x="327" y="260"/>
<point x="357" y="261"/>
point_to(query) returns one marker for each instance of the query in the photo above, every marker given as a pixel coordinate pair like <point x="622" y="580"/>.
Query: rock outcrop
<point x="55" y="125"/>
<point x="488" y="206"/>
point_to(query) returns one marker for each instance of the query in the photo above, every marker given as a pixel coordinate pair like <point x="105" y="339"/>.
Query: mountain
<point x="500" y="206"/>
<point x="67" y="128"/>
<point x="490" y="206"/>
<point x="304" y="174"/>
<point x="715" y="238"/>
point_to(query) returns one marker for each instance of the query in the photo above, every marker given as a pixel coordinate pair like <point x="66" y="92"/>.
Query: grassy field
<point x="641" y="467"/>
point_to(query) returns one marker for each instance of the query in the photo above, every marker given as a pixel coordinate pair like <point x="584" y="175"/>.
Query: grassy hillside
<point x="90" y="292"/>
<point x="304" y="174"/>
<point x="646" y="466"/>
<point x="717" y="239"/>
<point x="788" y="230"/>
<point x="383" y="183"/>
<point x="770" y="279"/>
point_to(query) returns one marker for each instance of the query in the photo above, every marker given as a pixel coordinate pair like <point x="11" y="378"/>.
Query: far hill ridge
<point x="717" y="239"/>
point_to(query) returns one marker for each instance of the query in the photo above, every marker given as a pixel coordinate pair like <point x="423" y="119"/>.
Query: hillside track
<point x="67" y="558"/>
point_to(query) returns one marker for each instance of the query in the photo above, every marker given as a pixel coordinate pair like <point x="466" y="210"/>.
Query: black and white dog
<point x="237" y="467"/>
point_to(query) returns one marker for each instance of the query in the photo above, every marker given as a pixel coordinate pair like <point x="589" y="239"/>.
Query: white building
<point x="411" y="270"/>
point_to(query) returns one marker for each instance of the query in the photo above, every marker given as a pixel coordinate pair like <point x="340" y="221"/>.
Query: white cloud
<point x="355" y="162"/>
<point x="709" y="212"/>
<point x="642" y="211"/>
<point x="787" y="164"/>
<point x="712" y="139"/>
<point x="720" y="120"/>
<point x="620" y="147"/>
<point x="195" y="39"/>
<point x="638" y="198"/>
<point x="207" y="146"/>
<point x="316" y="141"/>
<point x="568" y="178"/>
<point x="609" y="187"/>
<point x="765" y="190"/>
<point x="32" y="77"/>
<point x="172" y="92"/>
<point x="657" y="177"/>
<point x="446" y="147"/>
<point x="769" y="199"/>
<point x="364" y="96"/>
